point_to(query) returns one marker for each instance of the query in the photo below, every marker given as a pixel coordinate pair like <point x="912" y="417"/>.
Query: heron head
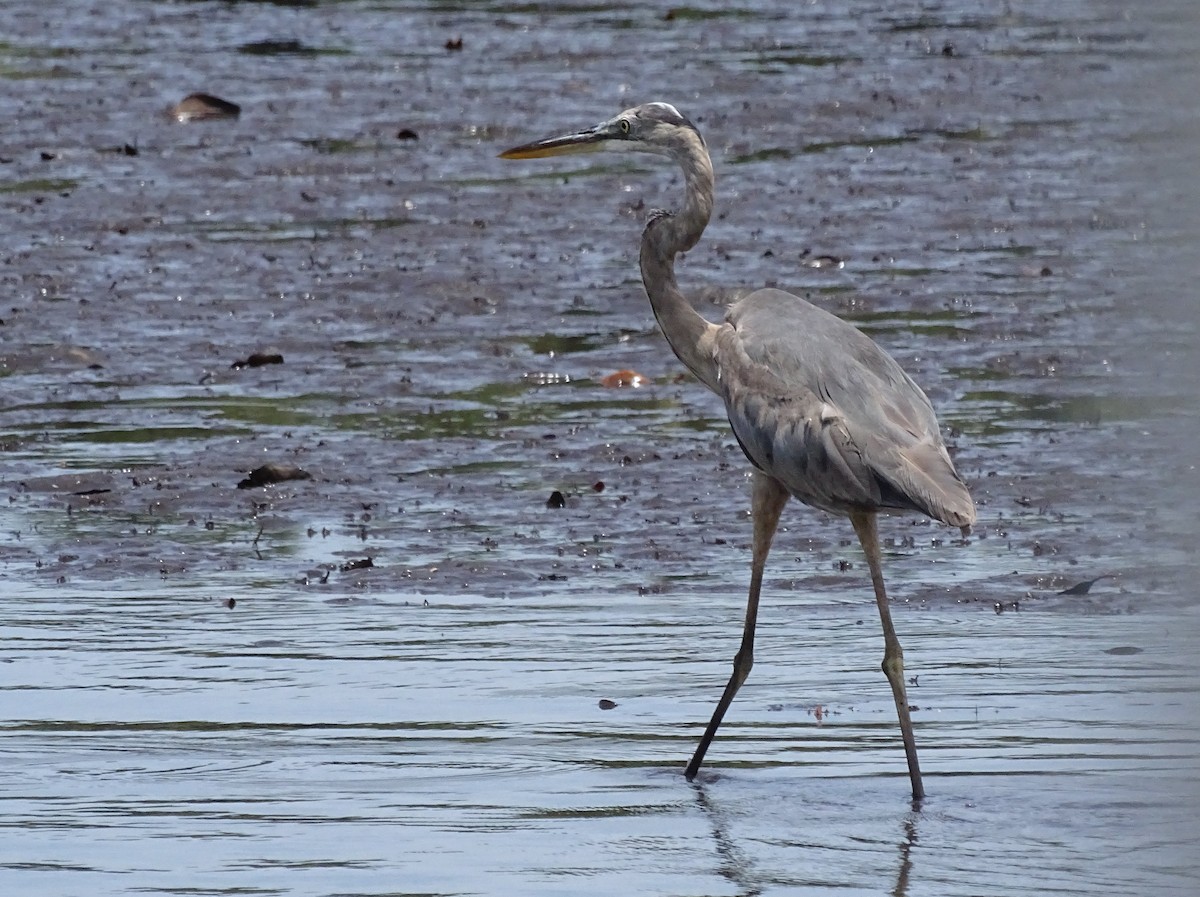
<point x="649" y="128"/>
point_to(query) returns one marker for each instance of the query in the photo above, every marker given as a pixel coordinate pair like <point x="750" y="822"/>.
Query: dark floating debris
<point x="624" y="378"/>
<point x="277" y="47"/>
<point x="556" y="500"/>
<point x="1121" y="650"/>
<point x="606" y="704"/>
<point x="273" y="473"/>
<point x="598" y="486"/>
<point x="1082" y="588"/>
<point x="230" y="603"/>
<point x="357" y="564"/>
<point x="257" y="360"/>
<point x="454" y="44"/>
<point x="204" y="107"/>
<point x="407" y="134"/>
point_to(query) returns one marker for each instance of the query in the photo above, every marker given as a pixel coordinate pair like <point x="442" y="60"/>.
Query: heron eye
<point x="624" y="126"/>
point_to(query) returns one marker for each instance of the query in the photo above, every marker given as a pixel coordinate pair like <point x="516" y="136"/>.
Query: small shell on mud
<point x="204" y="107"/>
<point x="622" y="378"/>
<point x="821" y="261"/>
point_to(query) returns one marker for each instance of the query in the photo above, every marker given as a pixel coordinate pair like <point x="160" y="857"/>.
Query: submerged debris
<point x="284" y="47"/>
<point x="1082" y="588"/>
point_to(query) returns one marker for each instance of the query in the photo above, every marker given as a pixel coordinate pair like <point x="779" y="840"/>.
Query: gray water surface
<point x="386" y="679"/>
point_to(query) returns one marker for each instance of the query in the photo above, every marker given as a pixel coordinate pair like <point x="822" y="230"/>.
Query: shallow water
<point x="205" y="690"/>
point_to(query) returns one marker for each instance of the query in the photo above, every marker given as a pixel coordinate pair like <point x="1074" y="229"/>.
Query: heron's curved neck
<point x="665" y="237"/>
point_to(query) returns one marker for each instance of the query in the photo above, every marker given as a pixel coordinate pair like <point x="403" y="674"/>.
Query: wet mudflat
<point x="385" y="677"/>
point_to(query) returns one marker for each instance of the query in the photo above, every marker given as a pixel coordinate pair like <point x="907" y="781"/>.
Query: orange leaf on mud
<point x="622" y="378"/>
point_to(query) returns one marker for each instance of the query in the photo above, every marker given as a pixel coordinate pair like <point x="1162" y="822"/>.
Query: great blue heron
<point x="820" y="410"/>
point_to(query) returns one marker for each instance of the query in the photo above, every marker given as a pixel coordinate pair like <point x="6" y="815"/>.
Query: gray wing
<point x="817" y="405"/>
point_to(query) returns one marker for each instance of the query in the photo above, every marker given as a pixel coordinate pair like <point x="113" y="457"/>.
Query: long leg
<point x="893" y="656"/>
<point x="768" y="499"/>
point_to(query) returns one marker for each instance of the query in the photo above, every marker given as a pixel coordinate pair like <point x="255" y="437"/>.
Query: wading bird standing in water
<point x="820" y="410"/>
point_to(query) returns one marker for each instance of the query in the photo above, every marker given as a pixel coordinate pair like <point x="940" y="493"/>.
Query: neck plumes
<point x="666" y="235"/>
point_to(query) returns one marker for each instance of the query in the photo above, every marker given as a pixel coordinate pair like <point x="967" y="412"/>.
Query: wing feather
<point x="820" y="407"/>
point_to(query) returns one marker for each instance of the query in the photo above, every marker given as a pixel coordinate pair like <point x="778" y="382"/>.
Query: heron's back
<point x="817" y="405"/>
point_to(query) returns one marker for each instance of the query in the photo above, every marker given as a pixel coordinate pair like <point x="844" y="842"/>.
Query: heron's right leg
<point x="768" y="499"/>
<point x="893" y="656"/>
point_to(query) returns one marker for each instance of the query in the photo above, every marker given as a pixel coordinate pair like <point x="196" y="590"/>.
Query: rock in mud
<point x="204" y="107"/>
<point x="273" y="473"/>
<point x="257" y="360"/>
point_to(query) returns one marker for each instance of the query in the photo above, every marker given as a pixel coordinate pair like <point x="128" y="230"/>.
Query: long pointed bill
<point x="588" y="141"/>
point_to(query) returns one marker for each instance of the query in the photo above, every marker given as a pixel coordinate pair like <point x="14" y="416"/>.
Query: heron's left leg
<point x="767" y="501"/>
<point x="893" y="656"/>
